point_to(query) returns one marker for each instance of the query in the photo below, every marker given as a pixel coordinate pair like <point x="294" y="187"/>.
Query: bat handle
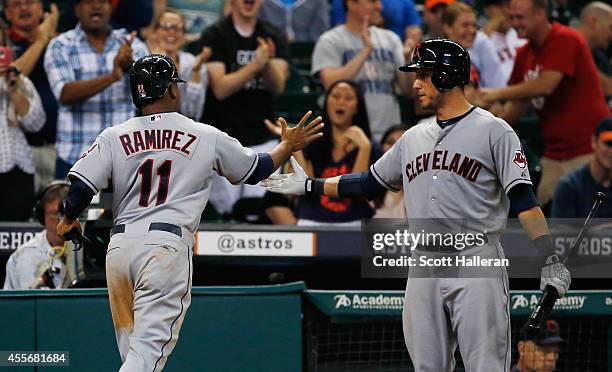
<point x="77" y="238"/>
<point x="544" y="307"/>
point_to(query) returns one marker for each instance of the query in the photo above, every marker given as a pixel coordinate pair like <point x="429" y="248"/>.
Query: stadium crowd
<point x="542" y="65"/>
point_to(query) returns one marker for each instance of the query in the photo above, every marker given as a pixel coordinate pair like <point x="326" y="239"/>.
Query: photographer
<point x="41" y="261"/>
<point x="20" y="110"/>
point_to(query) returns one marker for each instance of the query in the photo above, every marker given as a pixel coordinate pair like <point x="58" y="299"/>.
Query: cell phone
<point x="6" y="56"/>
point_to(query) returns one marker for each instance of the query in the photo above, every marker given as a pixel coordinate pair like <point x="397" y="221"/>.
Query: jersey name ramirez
<point x="178" y="141"/>
<point x="460" y="164"/>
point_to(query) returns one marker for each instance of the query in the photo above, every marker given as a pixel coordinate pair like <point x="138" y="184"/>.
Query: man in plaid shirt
<point x="86" y="69"/>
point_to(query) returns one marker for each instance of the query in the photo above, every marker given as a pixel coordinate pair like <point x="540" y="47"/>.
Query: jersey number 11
<point x="146" y="171"/>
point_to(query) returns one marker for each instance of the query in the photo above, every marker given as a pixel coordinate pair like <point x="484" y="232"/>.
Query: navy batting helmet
<point x="449" y="61"/>
<point x="150" y="77"/>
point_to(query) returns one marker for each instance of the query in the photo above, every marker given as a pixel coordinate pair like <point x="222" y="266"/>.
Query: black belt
<point x="159" y="226"/>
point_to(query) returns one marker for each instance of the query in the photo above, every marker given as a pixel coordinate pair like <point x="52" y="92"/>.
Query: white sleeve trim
<point x="382" y="182"/>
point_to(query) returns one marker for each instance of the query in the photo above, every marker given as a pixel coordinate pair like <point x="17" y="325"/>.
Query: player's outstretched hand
<point x="290" y="183"/>
<point x="302" y="134"/>
<point x="554" y="273"/>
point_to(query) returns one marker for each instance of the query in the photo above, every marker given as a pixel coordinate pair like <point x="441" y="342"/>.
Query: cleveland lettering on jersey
<point x="158" y="139"/>
<point x="460" y="164"/>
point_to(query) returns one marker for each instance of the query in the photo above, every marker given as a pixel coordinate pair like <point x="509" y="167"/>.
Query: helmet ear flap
<point x="161" y="82"/>
<point x="441" y="80"/>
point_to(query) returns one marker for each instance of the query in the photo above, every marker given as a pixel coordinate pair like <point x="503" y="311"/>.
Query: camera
<point x="6" y="56"/>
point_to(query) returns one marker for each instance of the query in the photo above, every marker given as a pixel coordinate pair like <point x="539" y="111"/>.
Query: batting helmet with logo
<point x="449" y="61"/>
<point x="150" y="77"/>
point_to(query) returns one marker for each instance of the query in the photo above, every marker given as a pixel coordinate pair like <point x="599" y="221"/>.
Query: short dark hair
<point x="392" y="129"/>
<point x="486" y="3"/>
<point x="76" y="2"/>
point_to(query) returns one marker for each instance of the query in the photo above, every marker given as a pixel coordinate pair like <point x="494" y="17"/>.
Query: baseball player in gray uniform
<point x="160" y="166"/>
<point x="464" y="164"/>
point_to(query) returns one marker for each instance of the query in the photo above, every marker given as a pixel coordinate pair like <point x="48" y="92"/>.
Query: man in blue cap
<point x="575" y="192"/>
<point x="539" y="353"/>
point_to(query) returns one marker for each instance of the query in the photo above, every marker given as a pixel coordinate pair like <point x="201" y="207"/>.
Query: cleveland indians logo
<point x="519" y="159"/>
<point x="88" y="151"/>
<point x="415" y="54"/>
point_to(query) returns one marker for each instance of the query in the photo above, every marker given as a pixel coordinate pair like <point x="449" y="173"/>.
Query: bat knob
<point x="601" y="197"/>
<point x="531" y="329"/>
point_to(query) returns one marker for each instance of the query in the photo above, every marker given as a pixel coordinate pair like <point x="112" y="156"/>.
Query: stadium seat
<point x="292" y="105"/>
<point x="300" y="54"/>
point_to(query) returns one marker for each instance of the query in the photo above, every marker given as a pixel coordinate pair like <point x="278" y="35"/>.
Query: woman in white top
<point x="459" y="23"/>
<point x="167" y="38"/>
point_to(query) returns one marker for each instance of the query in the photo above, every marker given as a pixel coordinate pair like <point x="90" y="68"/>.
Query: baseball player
<point x="464" y="163"/>
<point x="160" y="166"/>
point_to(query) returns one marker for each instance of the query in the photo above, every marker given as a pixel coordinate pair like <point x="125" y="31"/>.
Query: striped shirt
<point x="70" y="57"/>
<point x="14" y="149"/>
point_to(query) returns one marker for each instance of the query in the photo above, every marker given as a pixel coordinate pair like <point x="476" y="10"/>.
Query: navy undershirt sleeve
<point x="263" y="170"/>
<point x="360" y="184"/>
<point x="79" y="197"/>
<point x="521" y="198"/>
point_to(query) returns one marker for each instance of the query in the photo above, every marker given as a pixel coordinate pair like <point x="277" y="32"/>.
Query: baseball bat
<point x="550" y="295"/>
<point x="77" y="238"/>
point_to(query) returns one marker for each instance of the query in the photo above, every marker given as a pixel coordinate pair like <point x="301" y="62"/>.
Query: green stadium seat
<point x="293" y="105"/>
<point x="300" y="54"/>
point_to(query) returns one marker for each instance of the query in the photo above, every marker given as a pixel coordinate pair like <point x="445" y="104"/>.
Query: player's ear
<point x="521" y="346"/>
<point x="173" y="91"/>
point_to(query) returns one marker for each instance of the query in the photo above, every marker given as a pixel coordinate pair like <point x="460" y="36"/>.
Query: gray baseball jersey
<point x="461" y="171"/>
<point x="377" y="77"/>
<point x="160" y="167"/>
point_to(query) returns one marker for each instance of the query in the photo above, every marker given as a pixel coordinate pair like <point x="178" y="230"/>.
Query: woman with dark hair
<point x="345" y="148"/>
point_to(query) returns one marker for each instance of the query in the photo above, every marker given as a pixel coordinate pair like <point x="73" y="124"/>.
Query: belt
<point x="158" y="226"/>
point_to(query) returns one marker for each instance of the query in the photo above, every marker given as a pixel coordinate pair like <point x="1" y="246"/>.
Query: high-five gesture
<point x="288" y="183"/>
<point x="293" y="139"/>
<point x="301" y="135"/>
